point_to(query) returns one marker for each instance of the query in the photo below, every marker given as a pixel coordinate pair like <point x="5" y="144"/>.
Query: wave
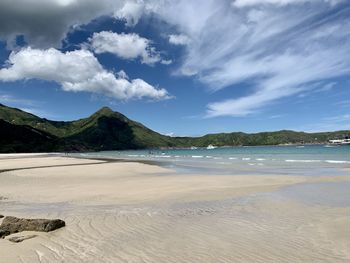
<point x="163" y="156"/>
<point x="303" y="161"/>
<point x="336" y="161"/>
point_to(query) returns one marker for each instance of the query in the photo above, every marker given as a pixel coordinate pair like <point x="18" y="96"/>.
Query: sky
<point x="182" y="68"/>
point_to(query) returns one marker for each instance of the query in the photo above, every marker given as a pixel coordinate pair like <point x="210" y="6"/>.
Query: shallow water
<point x="333" y="194"/>
<point x="291" y="160"/>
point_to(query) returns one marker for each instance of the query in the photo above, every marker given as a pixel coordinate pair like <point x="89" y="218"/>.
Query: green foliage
<point x="107" y="130"/>
<point x="21" y="138"/>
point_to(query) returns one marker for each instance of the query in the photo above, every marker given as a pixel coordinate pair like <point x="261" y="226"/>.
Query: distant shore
<point x="131" y="211"/>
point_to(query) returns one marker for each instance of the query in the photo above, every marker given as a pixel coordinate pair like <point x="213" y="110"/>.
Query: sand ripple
<point x="252" y="229"/>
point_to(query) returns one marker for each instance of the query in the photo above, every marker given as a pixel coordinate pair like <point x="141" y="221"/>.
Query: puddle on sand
<point x="335" y="194"/>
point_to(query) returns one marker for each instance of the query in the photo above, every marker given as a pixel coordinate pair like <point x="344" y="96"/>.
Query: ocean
<point x="291" y="160"/>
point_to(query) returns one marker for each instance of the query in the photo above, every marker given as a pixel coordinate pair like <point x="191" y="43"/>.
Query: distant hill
<point x="107" y="130"/>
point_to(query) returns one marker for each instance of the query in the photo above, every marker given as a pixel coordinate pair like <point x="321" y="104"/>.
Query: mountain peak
<point x="104" y="111"/>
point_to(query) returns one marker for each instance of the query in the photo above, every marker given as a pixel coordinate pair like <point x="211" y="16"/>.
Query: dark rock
<point x="13" y="224"/>
<point x="4" y="233"/>
<point x="21" y="238"/>
<point x="1" y="216"/>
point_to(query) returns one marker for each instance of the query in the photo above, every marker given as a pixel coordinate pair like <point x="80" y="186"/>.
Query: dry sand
<point x="133" y="212"/>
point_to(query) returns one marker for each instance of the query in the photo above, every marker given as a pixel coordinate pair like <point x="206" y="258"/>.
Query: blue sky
<point x="181" y="67"/>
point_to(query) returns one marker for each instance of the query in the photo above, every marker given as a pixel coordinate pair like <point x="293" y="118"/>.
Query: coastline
<point x="131" y="211"/>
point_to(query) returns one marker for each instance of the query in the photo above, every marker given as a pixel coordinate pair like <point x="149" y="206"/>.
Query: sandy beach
<point x="136" y="212"/>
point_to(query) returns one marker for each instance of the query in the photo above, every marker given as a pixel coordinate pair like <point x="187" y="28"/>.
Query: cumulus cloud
<point x="179" y="39"/>
<point x="45" y="23"/>
<point x="76" y="71"/>
<point x="277" y="47"/>
<point x="126" y="46"/>
<point x="131" y="12"/>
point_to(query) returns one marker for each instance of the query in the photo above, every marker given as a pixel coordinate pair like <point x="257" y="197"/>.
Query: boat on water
<point x="194" y="148"/>
<point x="345" y="141"/>
<point x="210" y="147"/>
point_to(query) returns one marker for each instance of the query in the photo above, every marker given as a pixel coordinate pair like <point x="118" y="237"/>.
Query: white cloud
<point x="45" y="23"/>
<point x="166" y="61"/>
<point x="131" y="12"/>
<point x="122" y="74"/>
<point x="327" y="87"/>
<point x="283" y="75"/>
<point x="343" y="103"/>
<point x="10" y="99"/>
<point x="76" y="71"/>
<point x="244" y="3"/>
<point x="334" y="123"/>
<point x="277" y="47"/>
<point x="126" y="46"/>
<point x="179" y="39"/>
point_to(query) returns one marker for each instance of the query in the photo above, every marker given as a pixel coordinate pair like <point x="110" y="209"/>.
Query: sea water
<point x="297" y="160"/>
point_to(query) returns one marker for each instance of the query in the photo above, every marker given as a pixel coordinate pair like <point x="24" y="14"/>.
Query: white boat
<point x="194" y="148"/>
<point x="210" y="147"/>
<point x="340" y="142"/>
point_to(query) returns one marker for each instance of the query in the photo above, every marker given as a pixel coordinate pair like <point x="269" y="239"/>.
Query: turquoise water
<point x="305" y="160"/>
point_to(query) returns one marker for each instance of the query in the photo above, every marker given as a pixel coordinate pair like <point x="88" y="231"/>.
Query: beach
<point x="124" y="211"/>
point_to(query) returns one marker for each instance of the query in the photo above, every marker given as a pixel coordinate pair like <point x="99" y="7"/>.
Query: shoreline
<point x="132" y="211"/>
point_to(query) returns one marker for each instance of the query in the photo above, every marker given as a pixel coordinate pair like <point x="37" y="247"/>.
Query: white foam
<point x="162" y="156"/>
<point x="197" y="156"/>
<point x="336" y="161"/>
<point x="233" y="158"/>
<point x="133" y="155"/>
<point x="303" y="161"/>
<point x="246" y="159"/>
<point x="260" y="159"/>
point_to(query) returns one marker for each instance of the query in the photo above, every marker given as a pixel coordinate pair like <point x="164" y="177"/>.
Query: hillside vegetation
<point x="107" y="130"/>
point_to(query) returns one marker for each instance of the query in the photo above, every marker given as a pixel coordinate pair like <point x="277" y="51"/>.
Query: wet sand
<point x="134" y="212"/>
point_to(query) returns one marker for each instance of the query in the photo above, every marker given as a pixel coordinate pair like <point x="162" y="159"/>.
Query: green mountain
<point x="104" y="130"/>
<point x="107" y="130"/>
<point x="22" y="138"/>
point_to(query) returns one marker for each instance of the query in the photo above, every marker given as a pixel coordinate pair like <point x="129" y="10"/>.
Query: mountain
<point x="23" y="138"/>
<point x="104" y="130"/>
<point x="108" y="130"/>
